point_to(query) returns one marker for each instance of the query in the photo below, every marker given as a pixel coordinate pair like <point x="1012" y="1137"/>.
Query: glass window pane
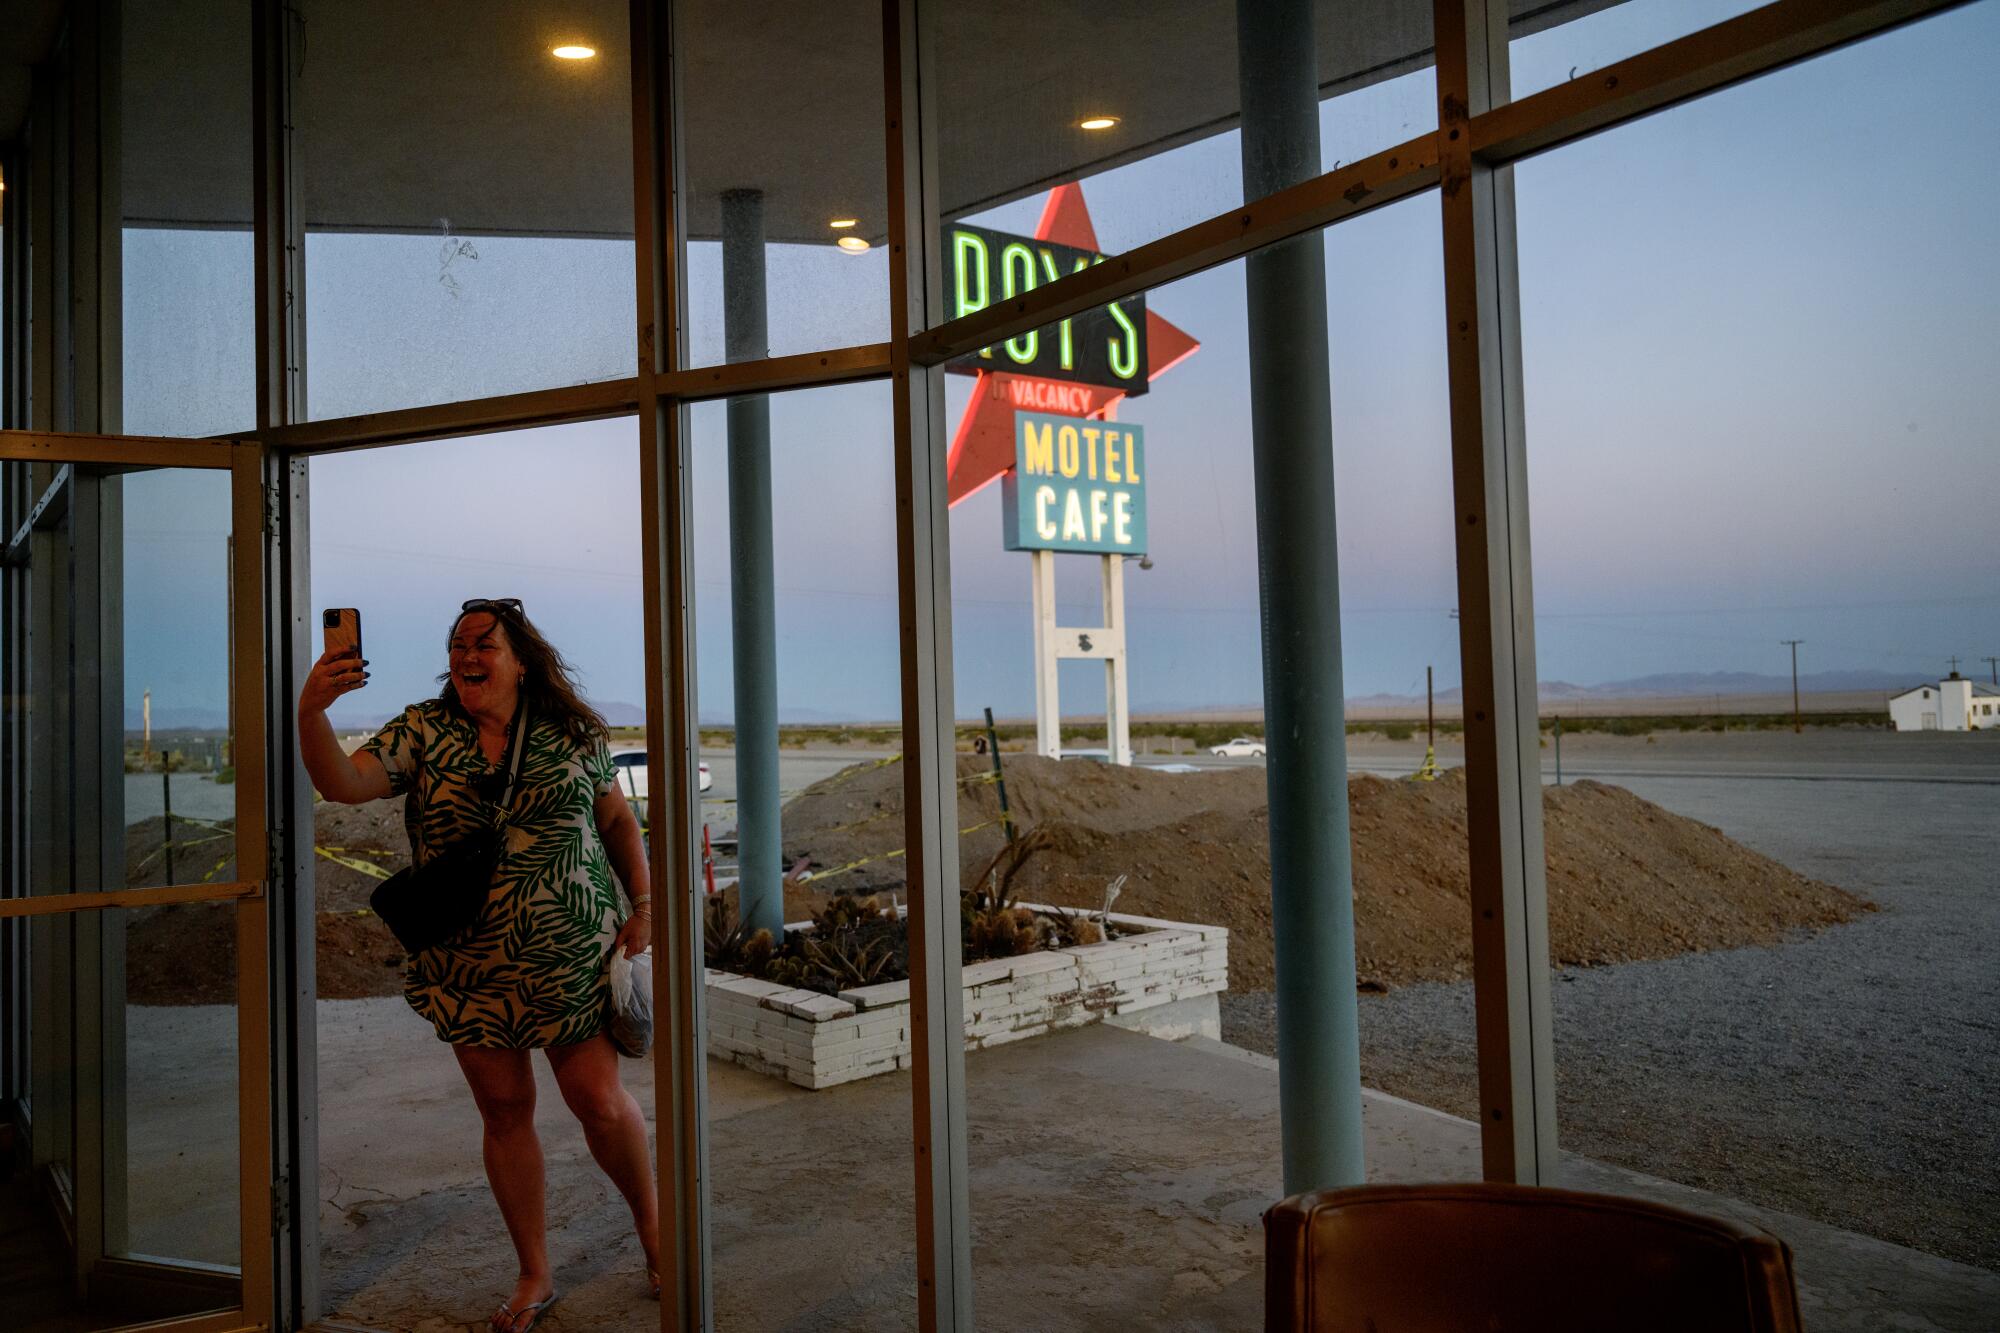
<point x="179" y="759"/>
<point x="153" y="1157"/>
<point x="1174" y="1019"/>
<point x="1562" y="41"/>
<point x="549" y="516"/>
<point x="468" y="200"/>
<point x="126" y="1029"/>
<point x="1143" y="112"/>
<point x="189" y="362"/>
<point x="808" y="1029"/>
<point x="781" y="125"/>
<point x="121" y="698"/>
<point x="179" y="1195"/>
<point x="1769" y="928"/>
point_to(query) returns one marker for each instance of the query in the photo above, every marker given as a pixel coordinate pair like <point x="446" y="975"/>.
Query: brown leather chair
<point x="1508" y="1258"/>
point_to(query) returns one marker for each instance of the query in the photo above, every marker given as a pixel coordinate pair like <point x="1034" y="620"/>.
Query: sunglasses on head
<point x="491" y="604"/>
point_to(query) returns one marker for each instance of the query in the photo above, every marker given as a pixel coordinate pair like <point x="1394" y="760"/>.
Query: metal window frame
<point x="1479" y="133"/>
<point x="923" y="590"/>
<point x="279" y="541"/>
<point x="68" y="456"/>
<point x="1509" y="895"/>
<point x="680" y="1078"/>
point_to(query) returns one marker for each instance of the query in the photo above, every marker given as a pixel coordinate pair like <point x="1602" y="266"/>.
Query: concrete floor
<point x="1117" y="1182"/>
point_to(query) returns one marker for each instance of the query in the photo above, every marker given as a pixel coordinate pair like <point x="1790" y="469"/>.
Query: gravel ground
<point x="1852" y="1076"/>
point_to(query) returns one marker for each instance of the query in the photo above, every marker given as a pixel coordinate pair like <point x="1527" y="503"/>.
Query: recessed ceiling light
<point x="1097" y="122"/>
<point x="573" y="52"/>
<point x="838" y="223"/>
<point x="854" y="245"/>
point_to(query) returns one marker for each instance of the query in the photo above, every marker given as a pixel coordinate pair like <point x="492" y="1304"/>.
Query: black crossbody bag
<point x="426" y="905"/>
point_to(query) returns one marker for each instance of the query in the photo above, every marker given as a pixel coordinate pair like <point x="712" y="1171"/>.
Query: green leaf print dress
<point x="530" y="971"/>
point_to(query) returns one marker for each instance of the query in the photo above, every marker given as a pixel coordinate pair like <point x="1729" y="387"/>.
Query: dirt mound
<point x="856" y="815"/>
<point x="1627" y="880"/>
<point x="186" y="953"/>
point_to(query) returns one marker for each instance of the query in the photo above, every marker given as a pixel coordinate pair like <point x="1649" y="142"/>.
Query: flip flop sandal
<point x="533" y="1313"/>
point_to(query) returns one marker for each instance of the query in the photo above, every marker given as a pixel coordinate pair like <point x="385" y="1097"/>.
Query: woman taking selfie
<point x="511" y="753"/>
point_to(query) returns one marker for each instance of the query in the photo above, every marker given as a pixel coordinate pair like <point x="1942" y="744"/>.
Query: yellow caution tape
<point x="158" y="852"/>
<point x="333" y="855"/>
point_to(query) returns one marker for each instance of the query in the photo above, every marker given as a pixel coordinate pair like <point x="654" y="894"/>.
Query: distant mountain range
<point x="1696" y="684"/>
<point x="1689" y="685"/>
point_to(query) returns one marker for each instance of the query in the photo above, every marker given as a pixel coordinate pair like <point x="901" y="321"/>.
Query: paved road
<point x="194" y="794"/>
<point x="1816" y="756"/>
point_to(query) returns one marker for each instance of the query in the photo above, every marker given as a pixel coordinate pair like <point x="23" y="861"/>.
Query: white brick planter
<point x="1162" y="980"/>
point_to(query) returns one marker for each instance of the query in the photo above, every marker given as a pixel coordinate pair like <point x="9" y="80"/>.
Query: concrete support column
<point x="752" y="581"/>
<point x="1291" y="414"/>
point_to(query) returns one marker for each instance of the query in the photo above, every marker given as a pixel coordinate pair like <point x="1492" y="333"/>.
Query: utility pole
<point x="1994" y="663"/>
<point x="1429" y="770"/>
<point x="1794" y="645"/>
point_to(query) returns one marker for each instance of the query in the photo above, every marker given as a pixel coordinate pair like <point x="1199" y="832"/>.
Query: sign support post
<point x="1105" y="642"/>
<point x="1117" y="706"/>
<point x="1048" y="708"/>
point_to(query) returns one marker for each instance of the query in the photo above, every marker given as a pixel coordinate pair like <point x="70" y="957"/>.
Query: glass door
<point x="134" y="1046"/>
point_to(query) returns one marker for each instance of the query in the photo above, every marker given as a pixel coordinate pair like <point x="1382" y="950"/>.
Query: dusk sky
<point x="1758" y="405"/>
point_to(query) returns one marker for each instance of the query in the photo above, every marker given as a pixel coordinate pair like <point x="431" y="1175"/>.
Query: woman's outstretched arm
<point x="348" y="779"/>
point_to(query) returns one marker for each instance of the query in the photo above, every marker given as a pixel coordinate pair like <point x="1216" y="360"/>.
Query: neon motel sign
<point x="1076" y="485"/>
<point x="1105" y="346"/>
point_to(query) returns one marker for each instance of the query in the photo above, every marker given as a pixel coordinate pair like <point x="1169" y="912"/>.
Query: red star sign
<point x="983" y="449"/>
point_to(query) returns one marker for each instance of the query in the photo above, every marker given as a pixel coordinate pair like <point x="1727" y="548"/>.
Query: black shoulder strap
<point x="515" y="748"/>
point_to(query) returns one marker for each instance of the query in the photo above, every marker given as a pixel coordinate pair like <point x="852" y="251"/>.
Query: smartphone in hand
<point x="341" y="628"/>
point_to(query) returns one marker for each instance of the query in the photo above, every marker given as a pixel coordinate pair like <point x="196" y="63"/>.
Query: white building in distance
<point x="1953" y="704"/>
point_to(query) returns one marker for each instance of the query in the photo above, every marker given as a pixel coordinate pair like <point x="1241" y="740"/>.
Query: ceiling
<point x="416" y="116"/>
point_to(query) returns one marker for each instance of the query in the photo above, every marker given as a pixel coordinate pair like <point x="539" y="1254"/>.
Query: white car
<point x="1240" y="748"/>
<point x="631" y="764"/>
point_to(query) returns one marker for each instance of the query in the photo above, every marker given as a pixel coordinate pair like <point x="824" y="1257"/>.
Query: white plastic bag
<point x="631" y="1003"/>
